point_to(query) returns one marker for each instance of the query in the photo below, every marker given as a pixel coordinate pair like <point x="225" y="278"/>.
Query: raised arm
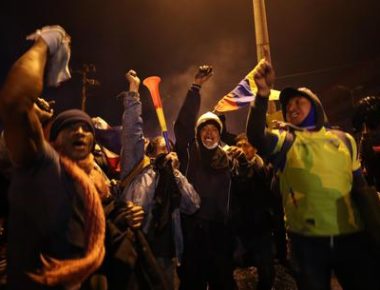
<point x="186" y="119"/>
<point x="257" y="134"/>
<point x="132" y="136"/>
<point x="22" y="87"/>
<point x="22" y="129"/>
<point x="226" y="136"/>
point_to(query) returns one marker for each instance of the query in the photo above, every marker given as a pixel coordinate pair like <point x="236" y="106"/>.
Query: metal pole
<point x="86" y="83"/>
<point x="84" y="88"/>
<point x="262" y="38"/>
<point x="261" y="30"/>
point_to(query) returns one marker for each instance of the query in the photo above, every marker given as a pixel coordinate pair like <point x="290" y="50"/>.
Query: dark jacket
<point x="370" y="157"/>
<point x="253" y="199"/>
<point x="207" y="170"/>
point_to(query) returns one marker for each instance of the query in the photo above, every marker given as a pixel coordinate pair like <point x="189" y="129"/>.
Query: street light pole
<point x="86" y="82"/>
<point x="261" y="30"/>
<point x="262" y="39"/>
<point x="84" y="87"/>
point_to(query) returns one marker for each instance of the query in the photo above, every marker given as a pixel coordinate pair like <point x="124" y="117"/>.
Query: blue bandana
<point x="310" y="120"/>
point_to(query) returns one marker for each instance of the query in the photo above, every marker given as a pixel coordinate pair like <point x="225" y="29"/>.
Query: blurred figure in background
<point x="367" y="121"/>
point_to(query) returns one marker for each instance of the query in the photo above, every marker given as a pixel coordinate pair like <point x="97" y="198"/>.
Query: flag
<point x="109" y="141"/>
<point x="242" y="95"/>
<point x="110" y="138"/>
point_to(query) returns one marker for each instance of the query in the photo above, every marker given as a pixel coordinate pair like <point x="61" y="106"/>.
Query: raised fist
<point x="134" y="80"/>
<point x="203" y="74"/>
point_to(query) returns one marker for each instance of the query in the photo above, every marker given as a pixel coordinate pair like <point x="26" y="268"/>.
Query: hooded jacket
<point x="315" y="167"/>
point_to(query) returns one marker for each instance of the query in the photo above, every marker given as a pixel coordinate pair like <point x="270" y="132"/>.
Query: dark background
<point x="330" y="46"/>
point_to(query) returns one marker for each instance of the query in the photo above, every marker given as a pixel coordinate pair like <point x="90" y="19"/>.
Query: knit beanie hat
<point x="67" y="118"/>
<point x="208" y="118"/>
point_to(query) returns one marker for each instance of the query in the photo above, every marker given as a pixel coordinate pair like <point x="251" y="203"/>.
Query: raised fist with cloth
<point x="58" y="42"/>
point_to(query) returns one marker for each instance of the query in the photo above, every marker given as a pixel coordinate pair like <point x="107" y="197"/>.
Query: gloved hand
<point x="58" y="42"/>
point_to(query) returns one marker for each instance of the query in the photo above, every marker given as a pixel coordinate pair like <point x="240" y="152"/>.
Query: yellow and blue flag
<point x="242" y="95"/>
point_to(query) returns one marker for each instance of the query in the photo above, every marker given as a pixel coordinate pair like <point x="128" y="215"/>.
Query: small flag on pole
<point x="242" y="95"/>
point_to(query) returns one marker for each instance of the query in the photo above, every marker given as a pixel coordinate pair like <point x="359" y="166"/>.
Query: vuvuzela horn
<point x="152" y="83"/>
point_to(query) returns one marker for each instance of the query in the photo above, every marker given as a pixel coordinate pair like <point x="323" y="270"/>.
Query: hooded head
<point x="72" y="134"/>
<point x="208" y="130"/>
<point x="302" y="108"/>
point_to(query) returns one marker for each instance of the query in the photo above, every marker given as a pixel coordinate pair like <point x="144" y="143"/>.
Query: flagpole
<point x="230" y="101"/>
<point x="261" y="30"/>
<point x="262" y="38"/>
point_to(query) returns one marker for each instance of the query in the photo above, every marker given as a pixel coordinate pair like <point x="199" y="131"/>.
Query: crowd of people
<point x="180" y="215"/>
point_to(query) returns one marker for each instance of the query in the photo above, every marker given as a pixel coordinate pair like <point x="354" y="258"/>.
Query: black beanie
<point x="67" y="118"/>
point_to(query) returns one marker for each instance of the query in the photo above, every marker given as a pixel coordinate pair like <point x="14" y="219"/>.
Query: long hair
<point x="75" y="271"/>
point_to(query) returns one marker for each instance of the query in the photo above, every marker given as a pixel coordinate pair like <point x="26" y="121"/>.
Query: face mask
<point x="213" y="146"/>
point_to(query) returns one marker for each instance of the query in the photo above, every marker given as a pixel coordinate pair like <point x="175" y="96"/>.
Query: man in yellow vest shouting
<point x="317" y="168"/>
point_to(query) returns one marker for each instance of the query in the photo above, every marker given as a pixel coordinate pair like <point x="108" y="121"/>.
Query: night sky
<point x="331" y="46"/>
